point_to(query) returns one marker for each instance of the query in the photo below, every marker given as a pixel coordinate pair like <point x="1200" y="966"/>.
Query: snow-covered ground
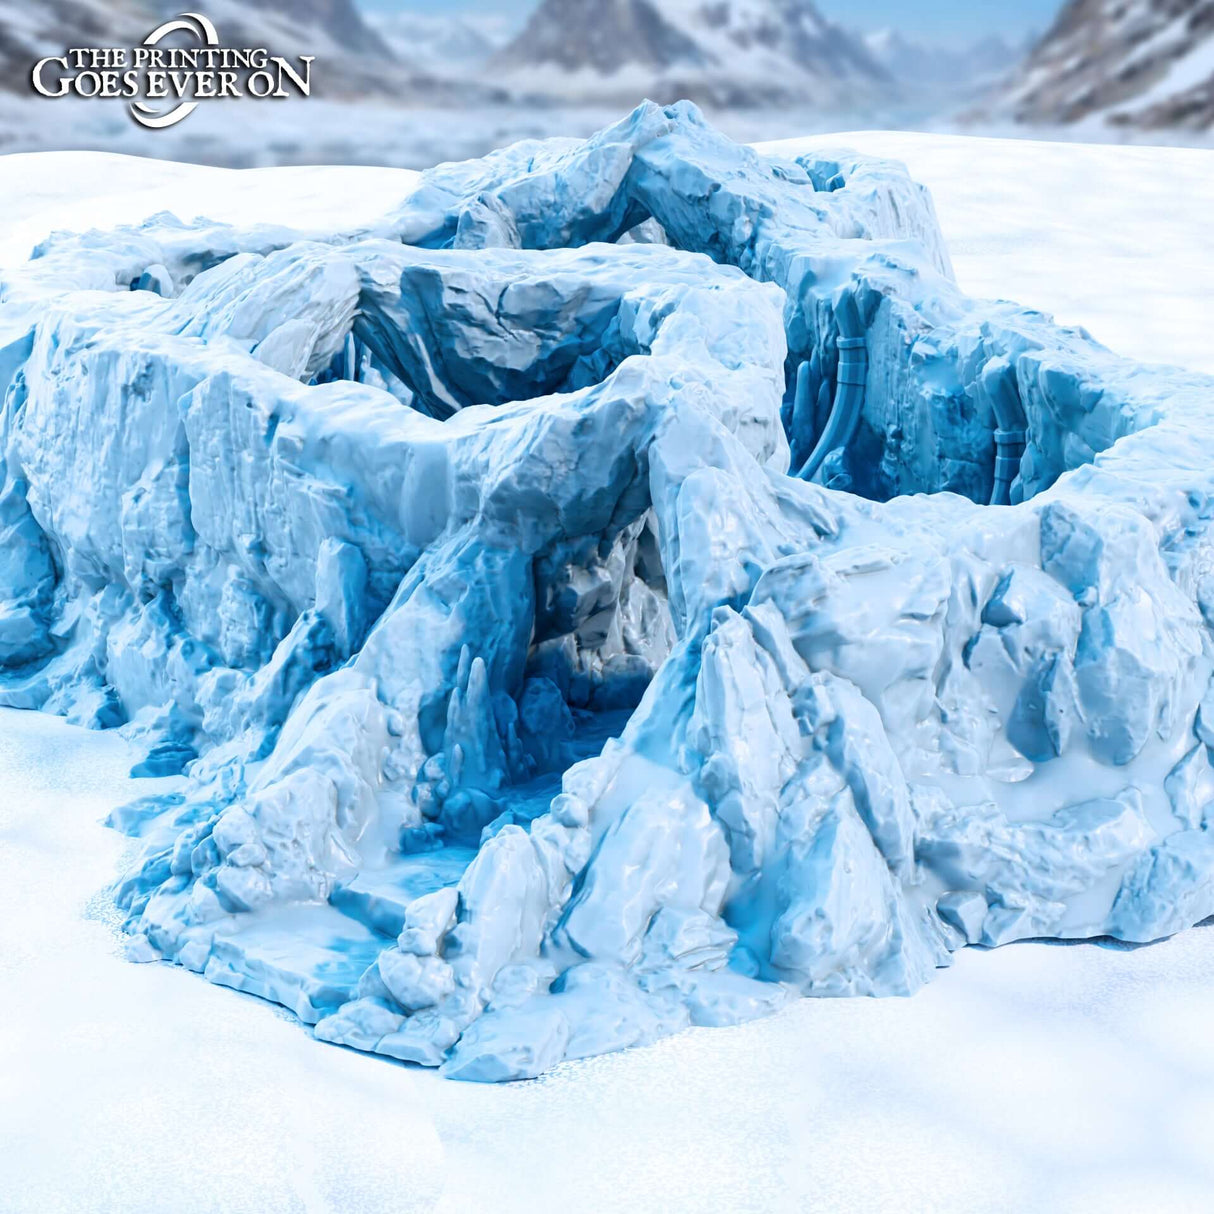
<point x="41" y="192"/>
<point x="1116" y="239"/>
<point x="1059" y="1078"/>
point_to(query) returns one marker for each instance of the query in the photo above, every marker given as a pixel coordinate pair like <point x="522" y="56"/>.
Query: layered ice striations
<point x="628" y="587"/>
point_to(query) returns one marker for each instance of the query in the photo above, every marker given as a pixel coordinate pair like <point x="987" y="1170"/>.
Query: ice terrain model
<point x="530" y="707"/>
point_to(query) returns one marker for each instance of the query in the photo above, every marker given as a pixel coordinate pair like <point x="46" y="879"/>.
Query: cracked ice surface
<point x="530" y="708"/>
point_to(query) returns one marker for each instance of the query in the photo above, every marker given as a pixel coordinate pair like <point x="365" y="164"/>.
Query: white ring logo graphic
<point x="207" y="35"/>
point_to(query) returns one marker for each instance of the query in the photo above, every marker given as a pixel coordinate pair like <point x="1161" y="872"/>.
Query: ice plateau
<point x="626" y="586"/>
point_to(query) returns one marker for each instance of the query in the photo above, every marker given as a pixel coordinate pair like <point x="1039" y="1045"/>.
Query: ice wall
<point x="528" y="707"/>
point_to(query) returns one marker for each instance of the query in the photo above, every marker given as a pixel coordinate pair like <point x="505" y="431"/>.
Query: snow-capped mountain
<point x="339" y="21"/>
<point x="352" y="58"/>
<point x="29" y="30"/>
<point x="438" y="41"/>
<point x="720" y="52"/>
<point x="1148" y="64"/>
<point x="929" y="66"/>
<point x="347" y="50"/>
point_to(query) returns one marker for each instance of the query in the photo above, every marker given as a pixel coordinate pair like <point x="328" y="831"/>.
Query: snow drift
<point x="627" y="586"/>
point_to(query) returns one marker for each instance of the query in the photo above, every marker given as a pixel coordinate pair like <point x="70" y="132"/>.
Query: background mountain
<point x="339" y="22"/>
<point x="440" y="42"/>
<point x="30" y="29"/>
<point x="353" y="58"/>
<point x="407" y="87"/>
<point x="1147" y="65"/>
<point x="728" y="53"/>
<point x="942" y="68"/>
<point x="353" y="55"/>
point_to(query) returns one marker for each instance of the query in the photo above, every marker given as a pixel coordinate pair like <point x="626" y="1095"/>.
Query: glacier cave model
<point x="627" y="587"/>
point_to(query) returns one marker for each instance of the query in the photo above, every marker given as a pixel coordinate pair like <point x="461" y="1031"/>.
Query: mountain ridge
<point x="717" y="52"/>
<point x="1148" y="66"/>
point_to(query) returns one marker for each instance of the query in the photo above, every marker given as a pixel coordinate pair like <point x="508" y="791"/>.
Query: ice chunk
<point x="528" y="708"/>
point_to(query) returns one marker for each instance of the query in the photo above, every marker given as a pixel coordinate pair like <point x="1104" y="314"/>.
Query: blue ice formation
<point x="629" y="586"/>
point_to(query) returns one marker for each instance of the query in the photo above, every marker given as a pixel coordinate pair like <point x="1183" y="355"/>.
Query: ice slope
<point x="397" y="612"/>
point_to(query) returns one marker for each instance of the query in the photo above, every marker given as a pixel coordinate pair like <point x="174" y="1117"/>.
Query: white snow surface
<point x="1078" y="230"/>
<point x="1061" y="1078"/>
<point x="41" y="192"/>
